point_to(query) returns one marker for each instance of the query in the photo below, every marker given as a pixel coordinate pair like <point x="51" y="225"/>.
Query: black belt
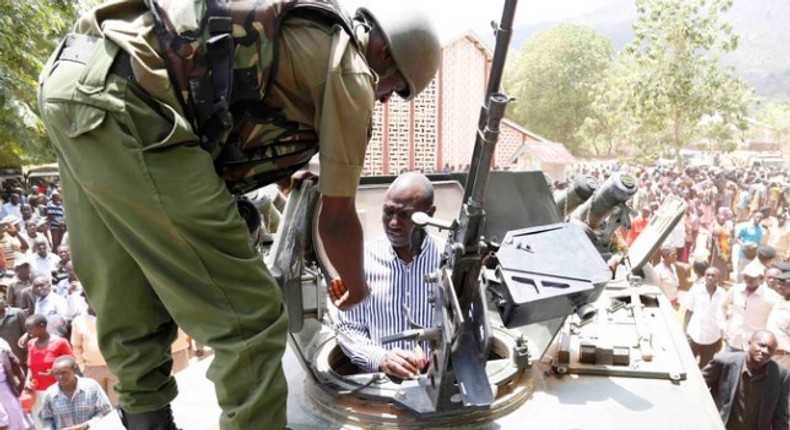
<point x="79" y="48"/>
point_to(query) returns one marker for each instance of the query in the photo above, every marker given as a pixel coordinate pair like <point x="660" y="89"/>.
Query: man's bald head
<point x="762" y="346"/>
<point x="410" y="192"/>
<point x="414" y="184"/>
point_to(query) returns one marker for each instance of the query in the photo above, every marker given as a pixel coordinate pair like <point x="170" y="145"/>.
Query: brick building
<point x="437" y="128"/>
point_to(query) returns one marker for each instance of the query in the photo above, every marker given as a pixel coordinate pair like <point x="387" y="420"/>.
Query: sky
<point x="454" y="17"/>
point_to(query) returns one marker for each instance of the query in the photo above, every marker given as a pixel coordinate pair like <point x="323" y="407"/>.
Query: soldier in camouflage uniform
<point x="142" y="114"/>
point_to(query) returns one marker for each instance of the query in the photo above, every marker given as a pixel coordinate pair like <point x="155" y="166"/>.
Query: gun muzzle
<point x="617" y="189"/>
<point x="569" y="199"/>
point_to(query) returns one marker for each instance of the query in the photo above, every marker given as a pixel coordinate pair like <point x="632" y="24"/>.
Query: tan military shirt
<point x="323" y="82"/>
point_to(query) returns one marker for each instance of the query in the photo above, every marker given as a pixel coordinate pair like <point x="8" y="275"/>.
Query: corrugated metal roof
<point x="532" y="135"/>
<point x="545" y="152"/>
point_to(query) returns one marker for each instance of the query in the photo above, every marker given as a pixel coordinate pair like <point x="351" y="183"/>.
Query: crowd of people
<point x="52" y="364"/>
<point x="734" y="237"/>
<point x="735" y="245"/>
<point x="727" y="209"/>
<point x="29" y="218"/>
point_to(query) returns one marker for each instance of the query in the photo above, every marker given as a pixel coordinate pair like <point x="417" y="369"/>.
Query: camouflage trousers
<point x="158" y="243"/>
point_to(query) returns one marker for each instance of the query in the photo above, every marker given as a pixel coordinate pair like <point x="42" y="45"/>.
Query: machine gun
<point x="461" y="337"/>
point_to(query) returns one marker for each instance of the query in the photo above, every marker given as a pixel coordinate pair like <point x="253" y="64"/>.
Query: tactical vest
<point x="222" y="57"/>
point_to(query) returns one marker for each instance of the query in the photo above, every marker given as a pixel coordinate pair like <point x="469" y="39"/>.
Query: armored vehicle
<point x="537" y="324"/>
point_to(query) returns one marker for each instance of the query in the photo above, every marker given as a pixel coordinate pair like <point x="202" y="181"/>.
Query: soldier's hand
<point x="338" y="293"/>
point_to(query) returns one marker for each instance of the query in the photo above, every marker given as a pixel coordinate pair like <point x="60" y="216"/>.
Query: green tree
<point x="675" y="77"/>
<point x="607" y="125"/>
<point x="29" y="31"/>
<point x="551" y="78"/>
<point x="776" y="115"/>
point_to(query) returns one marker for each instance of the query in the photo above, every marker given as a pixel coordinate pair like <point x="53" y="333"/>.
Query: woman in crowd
<point x="42" y="350"/>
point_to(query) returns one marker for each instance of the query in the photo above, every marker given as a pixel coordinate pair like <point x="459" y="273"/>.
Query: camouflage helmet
<point x="412" y="41"/>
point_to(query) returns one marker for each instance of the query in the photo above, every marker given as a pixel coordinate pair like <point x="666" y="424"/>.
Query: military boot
<point x="160" y="419"/>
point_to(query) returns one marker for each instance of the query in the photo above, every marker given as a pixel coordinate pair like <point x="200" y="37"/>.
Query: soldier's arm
<point x="341" y="233"/>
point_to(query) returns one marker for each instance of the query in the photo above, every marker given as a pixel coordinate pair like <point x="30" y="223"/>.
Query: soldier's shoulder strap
<point x="207" y="99"/>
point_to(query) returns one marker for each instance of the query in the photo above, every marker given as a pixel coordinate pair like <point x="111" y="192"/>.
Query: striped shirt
<point x="88" y="402"/>
<point x="55" y="214"/>
<point x="397" y="289"/>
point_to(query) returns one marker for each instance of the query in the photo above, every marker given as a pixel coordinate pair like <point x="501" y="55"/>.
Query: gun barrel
<point x="617" y="189"/>
<point x="569" y="199"/>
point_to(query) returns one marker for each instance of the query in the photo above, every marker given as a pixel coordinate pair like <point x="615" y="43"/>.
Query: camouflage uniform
<point x="155" y="235"/>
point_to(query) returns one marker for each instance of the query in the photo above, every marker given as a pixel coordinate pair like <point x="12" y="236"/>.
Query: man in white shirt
<point x="70" y="289"/>
<point x="14" y="207"/>
<point x="47" y="301"/>
<point x="399" y="295"/>
<point x="44" y="262"/>
<point x="701" y="326"/>
<point x="745" y="308"/>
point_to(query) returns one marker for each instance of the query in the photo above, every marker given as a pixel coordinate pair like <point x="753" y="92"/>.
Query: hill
<point x="762" y="58"/>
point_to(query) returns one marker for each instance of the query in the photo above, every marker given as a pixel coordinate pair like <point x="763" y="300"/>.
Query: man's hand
<point x="403" y="364"/>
